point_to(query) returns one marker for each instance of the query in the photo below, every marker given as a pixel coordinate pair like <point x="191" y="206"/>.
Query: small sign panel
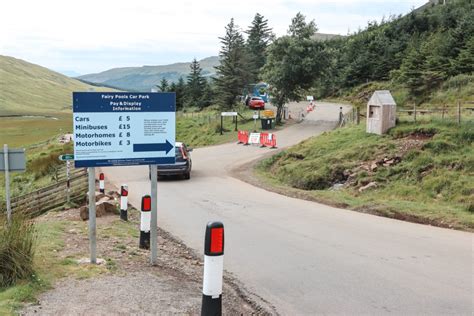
<point x="229" y="114"/>
<point x="254" y="138"/>
<point x="16" y="159"/>
<point x="66" y="157"/>
<point x="122" y="128"/>
<point x="309" y="98"/>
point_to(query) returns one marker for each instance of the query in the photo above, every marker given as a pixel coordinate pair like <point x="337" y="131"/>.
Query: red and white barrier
<point x="124" y="202"/>
<point x="145" y="219"/>
<point x="262" y="139"/>
<point x="213" y="269"/>
<point x="243" y="137"/>
<point x="101" y="183"/>
<point x="268" y="140"/>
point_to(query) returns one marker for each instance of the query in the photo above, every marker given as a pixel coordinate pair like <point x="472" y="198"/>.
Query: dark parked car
<point x="182" y="166"/>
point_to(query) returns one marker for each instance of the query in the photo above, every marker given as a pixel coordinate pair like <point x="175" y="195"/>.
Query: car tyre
<point x="187" y="176"/>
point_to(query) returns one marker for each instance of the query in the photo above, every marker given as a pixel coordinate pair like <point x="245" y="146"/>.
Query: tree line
<point x="420" y="51"/>
<point x="241" y="61"/>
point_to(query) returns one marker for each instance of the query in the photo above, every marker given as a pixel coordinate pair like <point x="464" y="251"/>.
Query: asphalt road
<point x="307" y="258"/>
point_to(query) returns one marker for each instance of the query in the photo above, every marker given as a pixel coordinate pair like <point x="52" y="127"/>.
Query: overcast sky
<point x="94" y="35"/>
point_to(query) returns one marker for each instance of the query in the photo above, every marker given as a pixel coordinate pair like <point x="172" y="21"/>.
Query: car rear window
<point x="177" y="150"/>
<point x="256" y="99"/>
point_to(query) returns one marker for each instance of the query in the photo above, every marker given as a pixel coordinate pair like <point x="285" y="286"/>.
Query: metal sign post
<point x="233" y="114"/>
<point x="68" y="183"/>
<point x="92" y="222"/>
<point x="255" y="117"/>
<point x="7" y="184"/>
<point x="67" y="158"/>
<point x="11" y="160"/>
<point x="154" y="215"/>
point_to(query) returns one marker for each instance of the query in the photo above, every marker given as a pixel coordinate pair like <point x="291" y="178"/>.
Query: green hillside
<point x="146" y="77"/>
<point x="423" y="52"/>
<point x="27" y="88"/>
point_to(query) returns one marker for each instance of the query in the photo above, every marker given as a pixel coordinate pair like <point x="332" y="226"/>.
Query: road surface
<point x="307" y="258"/>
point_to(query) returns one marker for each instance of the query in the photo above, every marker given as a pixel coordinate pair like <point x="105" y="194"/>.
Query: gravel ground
<point x="172" y="287"/>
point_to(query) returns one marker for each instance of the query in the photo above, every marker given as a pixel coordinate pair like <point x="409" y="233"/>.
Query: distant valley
<point x="145" y="77"/>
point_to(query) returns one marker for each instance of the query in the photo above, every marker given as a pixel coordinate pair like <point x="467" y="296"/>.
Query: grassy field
<point x="421" y="172"/>
<point x="30" y="89"/>
<point x="21" y="132"/>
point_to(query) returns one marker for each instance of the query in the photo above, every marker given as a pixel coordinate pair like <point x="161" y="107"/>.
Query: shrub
<point x="17" y="247"/>
<point x="44" y="165"/>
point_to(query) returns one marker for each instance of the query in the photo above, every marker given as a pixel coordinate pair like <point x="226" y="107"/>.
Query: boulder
<point x="102" y="208"/>
<point x="113" y="194"/>
<point x="98" y="196"/>
<point x="84" y="213"/>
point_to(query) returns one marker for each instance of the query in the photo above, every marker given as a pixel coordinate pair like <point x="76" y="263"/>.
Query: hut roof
<point x="382" y="97"/>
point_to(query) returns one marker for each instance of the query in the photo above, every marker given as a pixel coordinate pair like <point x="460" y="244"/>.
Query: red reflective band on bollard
<point x="214" y="240"/>
<point x="146" y="203"/>
<point x="217" y="240"/>
<point x="124" y="192"/>
<point x="101" y="176"/>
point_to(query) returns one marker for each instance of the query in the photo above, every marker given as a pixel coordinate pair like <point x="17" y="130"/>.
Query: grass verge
<point x="49" y="265"/>
<point x="203" y="128"/>
<point x="420" y="172"/>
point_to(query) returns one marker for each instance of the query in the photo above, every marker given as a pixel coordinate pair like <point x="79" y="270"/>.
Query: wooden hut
<point x="381" y="112"/>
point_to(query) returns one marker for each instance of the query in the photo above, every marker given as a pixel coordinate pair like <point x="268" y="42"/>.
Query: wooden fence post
<point x="414" y="112"/>
<point x="357" y="115"/>
<point x="444" y="109"/>
<point x="459" y="112"/>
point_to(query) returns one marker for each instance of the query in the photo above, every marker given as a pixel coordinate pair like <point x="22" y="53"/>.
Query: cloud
<point x="91" y="35"/>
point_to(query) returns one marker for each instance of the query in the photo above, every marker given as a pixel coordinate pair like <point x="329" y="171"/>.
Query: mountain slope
<point x="145" y="77"/>
<point x="27" y="88"/>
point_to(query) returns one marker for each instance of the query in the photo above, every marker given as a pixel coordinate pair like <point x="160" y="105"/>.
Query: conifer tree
<point x="180" y="93"/>
<point x="231" y="74"/>
<point x="259" y="37"/>
<point x="464" y="63"/>
<point x="163" y="86"/>
<point x="411" y="72"/>
<point x="196" y="84"/>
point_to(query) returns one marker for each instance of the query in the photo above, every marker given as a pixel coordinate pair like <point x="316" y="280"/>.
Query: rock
<point x="105" y="199"/>
<point x="373" y="166"/>
<point x="102" y="208"/>
<point x="98" y="196"/>
<point x="100" y="261"/>
<point x="113" y="194"/>
<point x="368" y="186"/>
<point x="84" y="213"/>
<point x="337" y="186"/>
<point x="105" y="207"/>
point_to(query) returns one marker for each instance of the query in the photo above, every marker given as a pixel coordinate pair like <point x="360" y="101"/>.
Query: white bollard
<point x="101" y="183"/>
<point x="213" y="269"/>
<point x="145" y="219"/>
<point x="124" y="202"/>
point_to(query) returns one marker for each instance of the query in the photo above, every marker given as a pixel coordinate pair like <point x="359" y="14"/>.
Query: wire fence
<point x="456" y="113"/>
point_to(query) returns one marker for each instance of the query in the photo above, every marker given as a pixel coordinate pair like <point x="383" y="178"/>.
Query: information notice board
<point x="122" y="128"/>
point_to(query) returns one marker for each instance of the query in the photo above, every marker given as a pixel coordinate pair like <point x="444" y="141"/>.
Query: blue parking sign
<point x="122" y="128"/>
